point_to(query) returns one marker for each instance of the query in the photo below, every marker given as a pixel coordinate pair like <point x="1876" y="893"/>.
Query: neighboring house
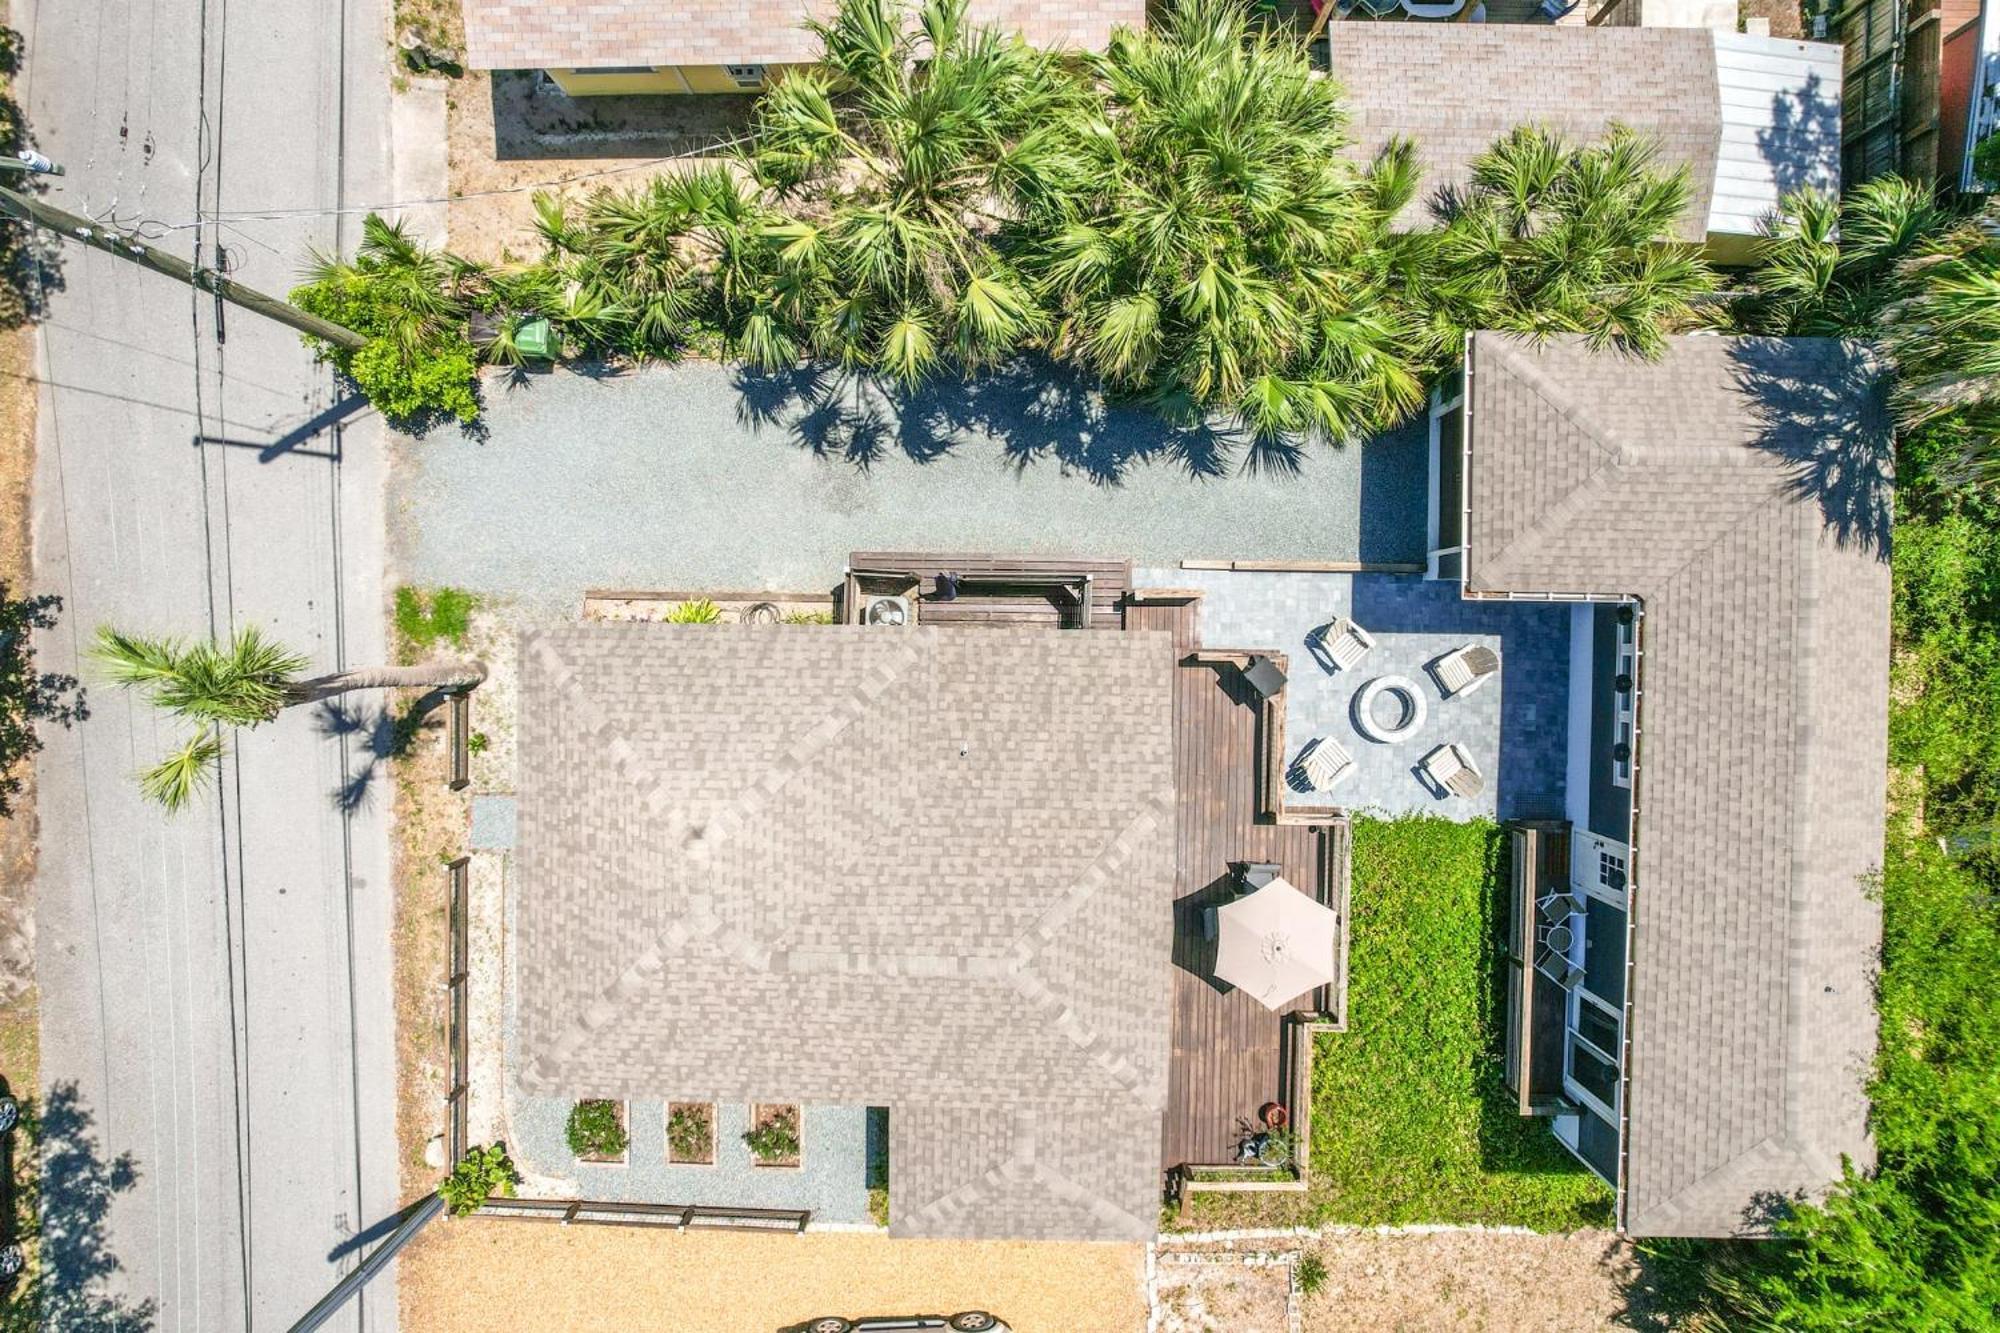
<point x="597" y="47"/>
<point x="1701" y="1029"/>
<point x="928" y="869"/>
<point x="1752" y="118"/>
<point x="1914" y="74"/>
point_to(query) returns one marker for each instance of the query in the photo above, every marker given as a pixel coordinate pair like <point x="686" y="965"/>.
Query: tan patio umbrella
<point x="1276" y="943"/>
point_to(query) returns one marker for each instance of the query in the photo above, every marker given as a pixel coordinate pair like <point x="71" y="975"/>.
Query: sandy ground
<point x="570" y="148"/>
<point x="1471" y="1282"/>
<point x="17" y="835"/>
<point x="430" y="829"/>
<point x="1211" y="1289"/>
<point x="503" y="1275"/>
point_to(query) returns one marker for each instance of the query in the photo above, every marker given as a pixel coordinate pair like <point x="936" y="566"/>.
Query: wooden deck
<point x="1231" y="1055"/>
<point x="994" y="589"/>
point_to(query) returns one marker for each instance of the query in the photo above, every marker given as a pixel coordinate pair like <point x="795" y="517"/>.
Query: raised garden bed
<point x="596" y="1131"/>
<point x="774" y="1138"/>
<point x="691" y="1133"/>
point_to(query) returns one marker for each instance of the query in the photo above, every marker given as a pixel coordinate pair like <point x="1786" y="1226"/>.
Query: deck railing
<point x="457" y="971"/>
<point x="678" y="1216"/>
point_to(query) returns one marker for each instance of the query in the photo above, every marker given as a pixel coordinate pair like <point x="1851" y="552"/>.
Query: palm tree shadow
<point x="1820" y="407"/>
<point x="381" y="735"/>
<point x="1035" y="410"/>
<point x="76" y="1187"/>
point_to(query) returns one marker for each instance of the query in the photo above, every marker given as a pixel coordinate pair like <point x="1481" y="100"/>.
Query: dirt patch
<point x="1470" y="1280"/>
<point x="1784" y="15"/>
<point x="430" y="823"/>
<point x="1223" y="1290"/>
<point x="18" y="833"/>
<point x="509" y="135"/>
<point x="580" y="1278"/>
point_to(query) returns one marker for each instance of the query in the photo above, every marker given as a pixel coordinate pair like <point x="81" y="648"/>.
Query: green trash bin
<point x="537" y="338"/>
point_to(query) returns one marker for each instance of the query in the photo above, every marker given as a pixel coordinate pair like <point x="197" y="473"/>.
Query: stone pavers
<point x="1514" y="728"/>
<point x="831" y="1178"/>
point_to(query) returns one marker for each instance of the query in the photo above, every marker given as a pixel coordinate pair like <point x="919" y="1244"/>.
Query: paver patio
<point x="706" y="476"/>
<point x="1515" y="728"/>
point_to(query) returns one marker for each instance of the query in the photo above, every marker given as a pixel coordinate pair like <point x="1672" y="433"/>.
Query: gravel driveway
<point x="704" y="476"/>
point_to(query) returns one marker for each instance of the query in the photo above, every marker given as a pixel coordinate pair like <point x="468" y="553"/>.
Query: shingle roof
<point x="583" y="34"/>
<point x="922" y="869"/>
<point x="1751" y="117"/>
<point x="1738" y="487"/>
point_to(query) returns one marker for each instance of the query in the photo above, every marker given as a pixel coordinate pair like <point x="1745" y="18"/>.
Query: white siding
<point x="1780" y="126"/>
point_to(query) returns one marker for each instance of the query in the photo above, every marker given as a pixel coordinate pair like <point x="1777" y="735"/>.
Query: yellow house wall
<point x="665" y="79"/>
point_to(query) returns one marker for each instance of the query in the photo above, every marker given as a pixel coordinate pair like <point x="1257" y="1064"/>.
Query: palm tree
<point x="245" y="683"/>
<point x="1219" y="251"/>
<point x="893" y="168"/>
<point x="1828" y="268"/>
<point x="637" y="270"/>
<point x="1548" y="237"/>
<point x="1944" y="336"/>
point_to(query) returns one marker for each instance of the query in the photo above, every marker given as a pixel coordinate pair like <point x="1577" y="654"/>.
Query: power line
<point x="160" y="228"/>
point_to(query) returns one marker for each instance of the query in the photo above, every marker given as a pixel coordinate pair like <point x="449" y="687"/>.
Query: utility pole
<point x="33" y="210"/>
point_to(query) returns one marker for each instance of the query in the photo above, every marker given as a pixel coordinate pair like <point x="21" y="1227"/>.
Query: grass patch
<point x="426" y="619"/>
<point x="1411" y="1122"/>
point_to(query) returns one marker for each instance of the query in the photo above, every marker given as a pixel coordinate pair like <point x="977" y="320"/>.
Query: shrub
<point x="1311" y="1273"/>
<point x="483" y="1173"/>
<point x="698" y="611"/>
<point x="477" y="742"/>
<point x="411" y="304"/>
<point x="691" y="1132"/>
<point x="775" y="1136"/>
<point x="596" y="1129"/>
<point x="424" y="619"/>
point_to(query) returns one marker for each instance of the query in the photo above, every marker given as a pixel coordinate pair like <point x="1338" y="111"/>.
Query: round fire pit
<point x="1389" y="709"/>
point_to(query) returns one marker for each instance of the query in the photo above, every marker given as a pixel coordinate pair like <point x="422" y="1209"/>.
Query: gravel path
<point x="702" y="476"/>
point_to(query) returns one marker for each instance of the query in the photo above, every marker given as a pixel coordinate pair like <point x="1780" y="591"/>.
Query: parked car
<point x="967" y="1321"/>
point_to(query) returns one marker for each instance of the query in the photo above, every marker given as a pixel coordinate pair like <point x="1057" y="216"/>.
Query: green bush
<point x="697" y="611"/>
<point x="425" y="619"/>
<point x="406" y="386"/>
<point x="1311" y="1273"/>
<point x="483" y="1173"/>
<point x="691" y="1132"/>
<point x="776" y="1137"/>
<point x="411" y="305"/>
<point x="596" y="1129"/>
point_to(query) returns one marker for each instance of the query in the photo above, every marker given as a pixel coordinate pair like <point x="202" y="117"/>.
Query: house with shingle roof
<point x="598" y="47"/>
<point x="1691" y="949"/>
<point x="927" y="869"/>
<point x="1752" y="118"/>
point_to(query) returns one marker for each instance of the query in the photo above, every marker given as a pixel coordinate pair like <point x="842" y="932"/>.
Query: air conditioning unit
<point x="887" y="610"/>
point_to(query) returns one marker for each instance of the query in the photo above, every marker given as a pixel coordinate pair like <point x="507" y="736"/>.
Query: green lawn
<point x="1410" y="1122"/>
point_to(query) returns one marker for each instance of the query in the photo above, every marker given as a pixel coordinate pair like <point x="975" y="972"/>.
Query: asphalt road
<point x="216" y="1014"/>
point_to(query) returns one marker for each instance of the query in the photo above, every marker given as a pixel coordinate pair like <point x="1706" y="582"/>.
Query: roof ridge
<point x="1528" y="372"/>
<point x="700" y="842"/>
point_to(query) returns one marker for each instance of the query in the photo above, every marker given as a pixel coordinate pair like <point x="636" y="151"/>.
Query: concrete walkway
<point x="702" y="476"/>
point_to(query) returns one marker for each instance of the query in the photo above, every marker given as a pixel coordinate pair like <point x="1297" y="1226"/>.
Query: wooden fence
<point x="456" y="984"/>
<point x="678" y="1216"/>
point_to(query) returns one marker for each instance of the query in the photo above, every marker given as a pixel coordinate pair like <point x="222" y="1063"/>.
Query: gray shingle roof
<point x="1739" y="488"/>
<point x="1751" y="117"/>
<point x="923" y="869"/>
<point x="585" y="34"/>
